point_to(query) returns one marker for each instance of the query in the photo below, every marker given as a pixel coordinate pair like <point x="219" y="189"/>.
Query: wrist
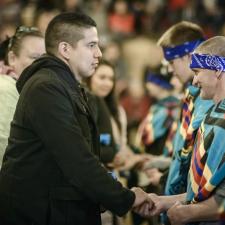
<point x="166" y="201"/>
<point x="187" y="216"/>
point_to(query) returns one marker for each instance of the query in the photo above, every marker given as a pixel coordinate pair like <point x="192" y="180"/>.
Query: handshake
<point x="146" y="205"/>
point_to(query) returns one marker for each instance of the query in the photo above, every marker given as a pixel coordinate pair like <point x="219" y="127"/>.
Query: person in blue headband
<point x="205" y="193"/>
<point x="178" y="42"/>
<point x="208" y="67"/>
<point x="206" y="181"/>
<point x="153" y="130"/>
<point x="159" y="80"/>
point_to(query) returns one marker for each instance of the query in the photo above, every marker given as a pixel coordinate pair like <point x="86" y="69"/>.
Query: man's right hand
<point x="143" y="203"/>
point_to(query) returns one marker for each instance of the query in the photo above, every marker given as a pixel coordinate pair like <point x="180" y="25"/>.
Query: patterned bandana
<point x="210" y="62"/>
<point x="178" y="51"/>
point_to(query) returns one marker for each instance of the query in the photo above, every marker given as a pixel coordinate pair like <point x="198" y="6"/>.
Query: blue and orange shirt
<point x="207" y="168"/>
<point x="158" y="121"/>
<point x="192" y="114"/>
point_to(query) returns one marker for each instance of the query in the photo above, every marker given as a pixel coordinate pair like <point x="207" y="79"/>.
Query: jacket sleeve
<point x="54" y="120"/>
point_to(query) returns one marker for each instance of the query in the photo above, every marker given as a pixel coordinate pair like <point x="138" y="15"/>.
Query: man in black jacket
<point x="51" y="173"/>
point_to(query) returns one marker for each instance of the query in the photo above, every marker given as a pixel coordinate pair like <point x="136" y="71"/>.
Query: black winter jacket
<point x="51" y="173"/>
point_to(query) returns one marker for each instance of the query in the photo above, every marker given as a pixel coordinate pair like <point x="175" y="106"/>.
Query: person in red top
<point x="121" y="20"/>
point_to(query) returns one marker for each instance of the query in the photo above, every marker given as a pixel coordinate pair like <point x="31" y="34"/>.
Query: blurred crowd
<point x="128" y="31"/>
<point x="117" y="18"/>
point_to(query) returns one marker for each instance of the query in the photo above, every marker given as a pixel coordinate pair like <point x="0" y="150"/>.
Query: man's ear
<point x="64" y="49"/>
<point x="11" y="59"/>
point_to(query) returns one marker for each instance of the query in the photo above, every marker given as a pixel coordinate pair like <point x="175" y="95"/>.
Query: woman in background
<point x="17" y="52"/>
<point x="102" y="85"/>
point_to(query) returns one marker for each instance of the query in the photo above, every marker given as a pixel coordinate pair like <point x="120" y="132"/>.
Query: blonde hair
<point x="181" y="33"/>
<point x="213" y="46"/>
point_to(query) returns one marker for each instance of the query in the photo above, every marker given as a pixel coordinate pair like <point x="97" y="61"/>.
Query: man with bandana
<point x="207" y="170"/>
<point x="178" y="42"/>
<point x="206" y="183"/>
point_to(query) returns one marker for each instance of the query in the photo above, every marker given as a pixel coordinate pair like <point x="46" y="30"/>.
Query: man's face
<point x="85" y="55"/>
<point x="180" y="68"/>
<point x="207" y="81"/>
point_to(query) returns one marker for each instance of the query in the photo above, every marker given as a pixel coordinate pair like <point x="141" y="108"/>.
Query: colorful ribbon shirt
<point x="193" y="112"/>
<point x="207" y="168"/>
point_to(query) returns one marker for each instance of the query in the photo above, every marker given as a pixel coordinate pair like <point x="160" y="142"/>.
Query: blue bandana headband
<point x="156" y="79"/>
<point x="178" y="51"/>
<point x="210" y="62"/>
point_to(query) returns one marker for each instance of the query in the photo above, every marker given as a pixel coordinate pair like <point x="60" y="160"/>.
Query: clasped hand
<point x="147" y="205"/>
<point x="143" y="203"/>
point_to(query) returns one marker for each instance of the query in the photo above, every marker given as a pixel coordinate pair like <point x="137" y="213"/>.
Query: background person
<point x="18" y="52"/>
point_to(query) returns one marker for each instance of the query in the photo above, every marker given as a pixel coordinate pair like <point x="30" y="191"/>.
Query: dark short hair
<point x="66" y="27"/>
